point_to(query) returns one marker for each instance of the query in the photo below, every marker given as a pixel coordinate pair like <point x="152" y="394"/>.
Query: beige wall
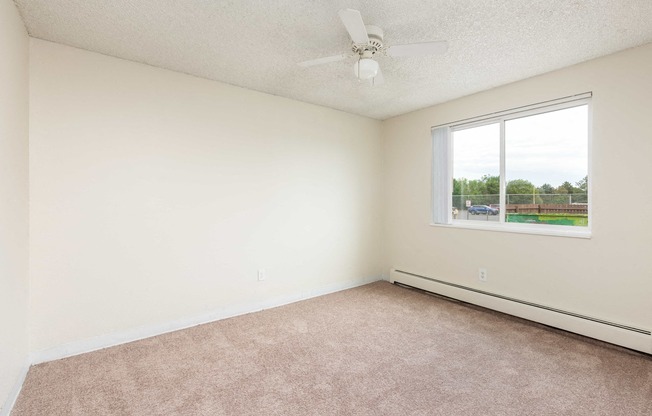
<point x="156" y="196"/>
<point x="14" y="160"/>
<point x="608" y="276"/>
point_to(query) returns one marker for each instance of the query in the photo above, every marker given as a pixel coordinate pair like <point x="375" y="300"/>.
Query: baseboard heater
<point x="616" y="333"/>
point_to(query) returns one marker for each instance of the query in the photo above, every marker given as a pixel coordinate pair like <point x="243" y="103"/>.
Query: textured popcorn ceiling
<point x="256" y="44"/>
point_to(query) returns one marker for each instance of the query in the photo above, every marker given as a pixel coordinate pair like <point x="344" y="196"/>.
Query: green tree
<point x="459" y="189"/>
<point x="483" y="191"/>
<point x="581" y="188"/>
<point x="546" y="188"/>
<point x="521" y="191"/>
<point x="566" y="188"/>
<point x="459" y="185"/>
<point x="477" y="187"/>
<point x="492" y="184"/>
<point x="547" y="194"/>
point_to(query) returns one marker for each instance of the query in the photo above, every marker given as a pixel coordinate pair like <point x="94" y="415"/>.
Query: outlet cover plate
<point x="482" y="275"/>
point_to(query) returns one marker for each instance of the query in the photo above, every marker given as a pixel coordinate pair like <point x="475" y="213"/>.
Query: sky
<point x="545" y="148"/>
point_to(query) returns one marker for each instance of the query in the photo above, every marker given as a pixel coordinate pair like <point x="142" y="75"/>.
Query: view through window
<point x="543" y="173"/>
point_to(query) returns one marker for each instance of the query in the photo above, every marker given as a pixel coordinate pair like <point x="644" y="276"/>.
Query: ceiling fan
<point x="368" y="44"/>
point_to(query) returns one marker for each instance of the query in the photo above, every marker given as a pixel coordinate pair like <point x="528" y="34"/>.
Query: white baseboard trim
<point x="599" y="330"/>
<point x="110" y="340"/>
<point x="8" y="406"/>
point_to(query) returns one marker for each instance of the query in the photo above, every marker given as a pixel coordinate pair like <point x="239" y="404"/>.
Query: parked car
<point x="482" y="209"/>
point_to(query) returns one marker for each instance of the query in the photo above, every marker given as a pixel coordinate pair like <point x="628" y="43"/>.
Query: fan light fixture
<point x="367" y="43"/>
<point x="365" y="68"/>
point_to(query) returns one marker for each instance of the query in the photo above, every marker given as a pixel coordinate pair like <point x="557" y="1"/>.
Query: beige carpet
<point x="374" y="350"/>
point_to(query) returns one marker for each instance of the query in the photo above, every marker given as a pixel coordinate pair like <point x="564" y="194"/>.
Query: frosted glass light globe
<point x="365" y="68"/>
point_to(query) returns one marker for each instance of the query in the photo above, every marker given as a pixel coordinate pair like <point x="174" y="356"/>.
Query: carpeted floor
<point x="374" y="350"/>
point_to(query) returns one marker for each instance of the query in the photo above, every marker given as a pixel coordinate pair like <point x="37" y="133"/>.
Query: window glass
<point x="546" y="168"/>
<point x="516" y="170"/>
<point x="476" y="173"/>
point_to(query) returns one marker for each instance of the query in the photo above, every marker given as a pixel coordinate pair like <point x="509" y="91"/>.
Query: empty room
<point x="286" y="207"/>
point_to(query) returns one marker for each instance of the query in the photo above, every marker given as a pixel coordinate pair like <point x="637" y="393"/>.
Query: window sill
<point x="539" y="229"/>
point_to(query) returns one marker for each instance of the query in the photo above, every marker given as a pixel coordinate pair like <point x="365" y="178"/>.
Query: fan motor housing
<point x="375" y="42"/>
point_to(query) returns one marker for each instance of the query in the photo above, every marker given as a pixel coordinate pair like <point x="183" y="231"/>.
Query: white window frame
<point x="443" y="176"/>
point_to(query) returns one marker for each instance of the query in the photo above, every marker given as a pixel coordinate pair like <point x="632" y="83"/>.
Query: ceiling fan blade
<point x="378" y="79"/>
<point x="353" y="23"/>
<point x="324" y="60"/>
<point x="418" y="49"/>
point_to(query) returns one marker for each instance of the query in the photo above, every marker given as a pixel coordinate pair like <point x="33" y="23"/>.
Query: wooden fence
<point x="547" y="208"/>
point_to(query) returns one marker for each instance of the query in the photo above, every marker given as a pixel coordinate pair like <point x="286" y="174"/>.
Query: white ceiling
<point x="256" y="44"/>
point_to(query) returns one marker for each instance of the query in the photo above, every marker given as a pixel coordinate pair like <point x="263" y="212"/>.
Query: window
<point x="525" y="170"/>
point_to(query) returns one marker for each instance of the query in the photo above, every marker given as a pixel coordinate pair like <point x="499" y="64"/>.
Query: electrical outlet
<point x="262" y="275"/>
<point x="482" y="275"/>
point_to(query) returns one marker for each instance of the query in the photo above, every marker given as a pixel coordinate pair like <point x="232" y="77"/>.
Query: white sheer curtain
<point x="442" y="149"/>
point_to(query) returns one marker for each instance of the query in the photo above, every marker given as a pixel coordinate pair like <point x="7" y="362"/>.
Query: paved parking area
<point x="464" y="215"/>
